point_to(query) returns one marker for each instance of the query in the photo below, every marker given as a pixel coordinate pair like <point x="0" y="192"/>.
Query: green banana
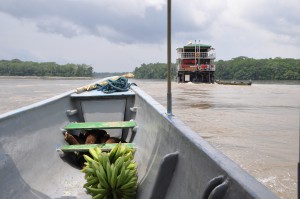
<point x="131" y="166"/>
<point x="98" y="151"/>
<point x="96" y="190"/>
<point x="113" y="152"/>
<point x="90" y="182"/>
<point x="108" y="172"/>
<point x="118" y="153"/>
<point x="89" y="177"/>
<point x="131" y="179"/>
<point x="129" y="174"/>
<point x="119" y="163"/>
<point x="127" y="163"/>
<point x="128" y="193"/>
<point x="95" y="166"/>
<point x="130" y="150"/>
<point x="88" y="171"/>
<point x="102" y="177"/>
<point x="94" y="153"/>
<point x="105" y="160"/>
<point x="123" y="150"/>
<point x="98" y="196"/>
<point x="88" y="158"/>
<point x="115" y="195"/>
<point x="128" y="156"/>
<point x="113" y="179"/>
<point x="102" y="181"/>
<point x="121" y="177"/>
<point x="125" y="197"/>
<point x="130" y="184"/>
<point x="111" y="175"/>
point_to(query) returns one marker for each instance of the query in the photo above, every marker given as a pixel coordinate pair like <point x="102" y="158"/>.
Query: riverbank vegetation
<point x="17" y="67"/>
<point x="239" y="68"/>
<point x="244" y="68"/>
<point x="154" y="71"/>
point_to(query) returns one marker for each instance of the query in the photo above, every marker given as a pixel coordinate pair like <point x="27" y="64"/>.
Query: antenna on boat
<point x="169" y="94"/>
<point x="195" y="52"/>
<point x="199" y="51"/>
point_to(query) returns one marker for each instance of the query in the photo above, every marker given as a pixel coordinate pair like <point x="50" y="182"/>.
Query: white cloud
<point x="157" y="4"/>
<point x="57" y="25"/>
<point x="126" y="8"/>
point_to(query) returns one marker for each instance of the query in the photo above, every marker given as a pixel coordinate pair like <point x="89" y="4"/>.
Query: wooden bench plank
<point x="86" y="147"/>
<point x="100" y="125"/>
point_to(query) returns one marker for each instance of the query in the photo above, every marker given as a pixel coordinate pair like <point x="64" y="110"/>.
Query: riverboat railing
<point x="202" y="67"/>
<point x="193" y="55"/>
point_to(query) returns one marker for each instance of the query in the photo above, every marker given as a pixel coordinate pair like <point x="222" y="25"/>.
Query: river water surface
<point x="256" y="126"/>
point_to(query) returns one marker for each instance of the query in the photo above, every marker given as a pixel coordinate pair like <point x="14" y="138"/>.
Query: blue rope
<point x="119" y="85"/>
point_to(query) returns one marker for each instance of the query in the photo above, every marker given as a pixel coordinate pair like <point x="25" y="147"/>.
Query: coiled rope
<point x="119" y="85"/>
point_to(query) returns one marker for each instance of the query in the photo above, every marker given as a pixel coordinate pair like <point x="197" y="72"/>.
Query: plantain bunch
<point x="110" y="175"/>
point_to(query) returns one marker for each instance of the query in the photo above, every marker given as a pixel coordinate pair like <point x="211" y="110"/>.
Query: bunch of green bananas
<point x="111" y="175"/>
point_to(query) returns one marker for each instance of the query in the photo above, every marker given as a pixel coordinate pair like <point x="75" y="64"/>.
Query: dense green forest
<point x="154" y="71"/>
<point x="17" y="67"/>
<point x="244" y="68"/>
<point x="240" y="68"/>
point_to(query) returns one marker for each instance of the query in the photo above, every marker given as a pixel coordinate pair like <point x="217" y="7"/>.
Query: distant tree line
<point x="239" y="68"/>
<point x="154" y="71"/>
<point x="17" y="67"/>
<point x="244" y="68"/>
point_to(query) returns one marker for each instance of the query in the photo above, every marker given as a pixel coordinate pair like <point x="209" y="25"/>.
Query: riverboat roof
<point x="195" y="45"/>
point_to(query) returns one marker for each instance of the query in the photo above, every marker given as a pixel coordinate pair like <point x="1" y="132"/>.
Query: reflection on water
<point x="256" y="126"/>
<point x="201" y="105"/>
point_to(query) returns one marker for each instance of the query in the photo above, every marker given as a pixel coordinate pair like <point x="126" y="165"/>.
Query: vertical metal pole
<point x="299" y="165"/>
<point x="169" y="94"/>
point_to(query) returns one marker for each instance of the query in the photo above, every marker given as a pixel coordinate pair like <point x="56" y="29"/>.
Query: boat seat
<point x="86" y="147"/>
<point x="100" y="125"/>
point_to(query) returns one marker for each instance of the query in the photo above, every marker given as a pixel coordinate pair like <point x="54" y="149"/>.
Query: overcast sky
<point x="119" y="35"/>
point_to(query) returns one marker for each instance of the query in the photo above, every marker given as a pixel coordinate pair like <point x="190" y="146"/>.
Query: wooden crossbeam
<point x="100" y="125"/>
<point x="86" y="147"/>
